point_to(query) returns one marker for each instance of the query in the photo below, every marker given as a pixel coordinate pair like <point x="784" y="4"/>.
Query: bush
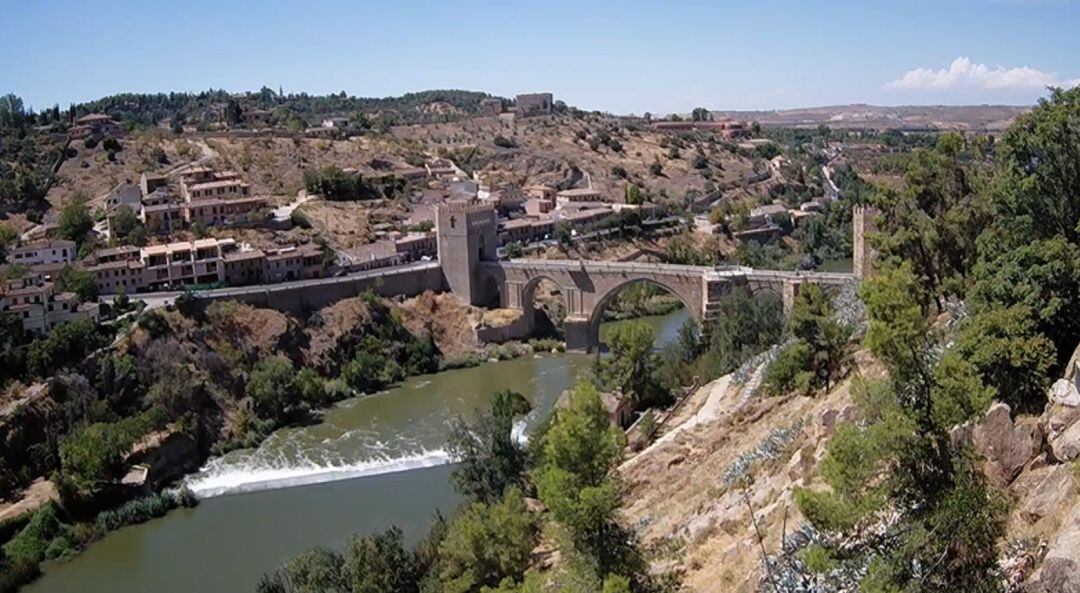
<point x="299" y="219"/>
<point x="788" y="372"/>
<point x="31" y="544"/>
<point x="143" y="509"/>
<point x="90" y="142"/>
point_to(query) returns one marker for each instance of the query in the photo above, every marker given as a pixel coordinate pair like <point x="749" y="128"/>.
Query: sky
<point x="624" y="56"/>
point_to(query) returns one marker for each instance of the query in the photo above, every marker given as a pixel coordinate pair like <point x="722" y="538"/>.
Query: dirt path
<point x="39" y="493"/>
<point x="710" y="409"/>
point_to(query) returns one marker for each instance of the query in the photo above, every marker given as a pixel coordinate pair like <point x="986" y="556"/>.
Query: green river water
<point x="372" y="462"/>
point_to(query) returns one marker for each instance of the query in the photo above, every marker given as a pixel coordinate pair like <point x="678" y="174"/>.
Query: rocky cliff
<point x="714" y="493"/>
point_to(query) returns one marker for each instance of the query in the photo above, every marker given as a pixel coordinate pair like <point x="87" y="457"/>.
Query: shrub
<point x="299" y="219"/>
<point x="32" y="543"/>
<point x="788" y="372"/>
<point x="143" y="509"/>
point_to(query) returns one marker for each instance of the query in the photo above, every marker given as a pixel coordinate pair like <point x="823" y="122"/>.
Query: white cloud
<point x="963" y="73"/>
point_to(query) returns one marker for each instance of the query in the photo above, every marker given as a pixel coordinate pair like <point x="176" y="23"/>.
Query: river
<point x="372" y="462"/>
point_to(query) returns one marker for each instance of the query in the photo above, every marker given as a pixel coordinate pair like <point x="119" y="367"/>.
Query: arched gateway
<point x="471" y="269"/>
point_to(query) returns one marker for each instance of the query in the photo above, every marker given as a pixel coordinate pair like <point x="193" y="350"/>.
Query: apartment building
<point x="584" y="194"/>
<point x="35" y="302"/>
<point x="44" y="252"/>
<point x="203" y="261"/>
<point x="94" y="124"/>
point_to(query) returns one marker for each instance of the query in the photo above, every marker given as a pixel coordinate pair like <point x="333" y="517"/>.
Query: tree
<point x="813" y="322"/>
<point x="700" y="114"/>
<point x="273" y="390"/>
<point x="233" y="113"/>
<point x="564" y="234"/>
<point x="75" y="221"/>
<point x="66" y="344"/>
<point x="78" y="281"/>
<point x="380" y="564"/>
<point x="489" y="460"/>
<point x="934" y="222"/>
<point x="633" y="194"/>
<point x="1037" y="180"/>
<point x="581" y="447"/>
<point x="124" y="221"/>
<point x="316" y="571"/>
<point x="631" y="366"/>
<point x="486" y="544"/>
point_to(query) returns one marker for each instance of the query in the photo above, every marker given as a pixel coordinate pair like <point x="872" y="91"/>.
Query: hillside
<point x="903" y="117"/>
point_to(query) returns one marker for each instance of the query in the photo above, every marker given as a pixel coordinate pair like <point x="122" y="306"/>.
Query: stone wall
<point x="303" y="297"/>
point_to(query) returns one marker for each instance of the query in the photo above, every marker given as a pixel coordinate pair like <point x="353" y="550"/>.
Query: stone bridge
<point x="469" y="267"/>
<point x="587" y="287"/>
<point x="467" y="235"/>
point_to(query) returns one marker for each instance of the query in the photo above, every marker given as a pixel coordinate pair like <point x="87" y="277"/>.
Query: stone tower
<point x="467" y="233"/>
<point x="862" y="257"/>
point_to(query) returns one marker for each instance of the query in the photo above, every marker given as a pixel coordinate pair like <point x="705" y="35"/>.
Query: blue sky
<point x="620" y="56"/>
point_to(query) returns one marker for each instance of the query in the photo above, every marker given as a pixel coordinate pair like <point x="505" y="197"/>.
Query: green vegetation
<point x="490" y="460"/>
<point x="745" y="325"/>
<point x="814" y="360"/>
<point x="27" y="156"/>
<point x="334" y="184"/>
<point x="995" y="235"/>
<point x="488" y="544"/>
<point x="75" y="222"/>
<point x="632" y="367"/>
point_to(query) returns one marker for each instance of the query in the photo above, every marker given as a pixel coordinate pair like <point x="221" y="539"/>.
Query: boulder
<point x="1043" y="492"/>
<point x="827" y="423"/>
<point x="800" y="464"/>
<point x="1065" y="445"/>
<point x="1006" y="447"/>
<point x="1064" y="392"/>
<point x="1060" y="570"/>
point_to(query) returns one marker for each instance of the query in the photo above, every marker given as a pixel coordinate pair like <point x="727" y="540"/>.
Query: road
<point x="165" y="298"/>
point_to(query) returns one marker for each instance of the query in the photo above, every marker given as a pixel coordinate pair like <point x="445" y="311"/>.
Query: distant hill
<point x="905" y="117"/>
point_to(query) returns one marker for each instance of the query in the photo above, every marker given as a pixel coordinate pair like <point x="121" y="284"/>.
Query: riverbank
<point x="361" y="445"/>
<point x="215" y="381"/>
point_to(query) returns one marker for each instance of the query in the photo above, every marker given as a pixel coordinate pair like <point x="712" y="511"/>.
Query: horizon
<point x="639" y="58"/>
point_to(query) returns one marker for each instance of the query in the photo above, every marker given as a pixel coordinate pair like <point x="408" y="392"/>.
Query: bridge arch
<point x="604" y="299"/>
<point x="528" y="298"/>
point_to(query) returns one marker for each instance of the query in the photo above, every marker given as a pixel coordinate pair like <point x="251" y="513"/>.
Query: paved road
<point x="164" y="298"/>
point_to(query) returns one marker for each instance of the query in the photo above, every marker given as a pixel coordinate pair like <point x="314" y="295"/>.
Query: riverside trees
<point x="488" y="544"/>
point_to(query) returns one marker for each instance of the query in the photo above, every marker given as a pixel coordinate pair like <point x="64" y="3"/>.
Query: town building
<point x="491" y="106"/>
<point x="44" y="252"/>
<point x="335" y="122"/>
<point x="584" y="194"/>
<point x="94" y="124"/>
<point x="34" y="300"/>
<point x="534" y="104"/>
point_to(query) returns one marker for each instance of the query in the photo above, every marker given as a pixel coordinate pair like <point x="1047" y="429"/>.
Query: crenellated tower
<point x="468" y="235"/>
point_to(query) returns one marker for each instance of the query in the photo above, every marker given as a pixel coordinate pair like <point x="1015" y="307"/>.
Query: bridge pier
<point x="789" y="291"/>
<point x="580" y="334"/>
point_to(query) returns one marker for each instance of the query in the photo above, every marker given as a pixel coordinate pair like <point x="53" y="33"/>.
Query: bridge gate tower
<point x="467" y="235"/>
